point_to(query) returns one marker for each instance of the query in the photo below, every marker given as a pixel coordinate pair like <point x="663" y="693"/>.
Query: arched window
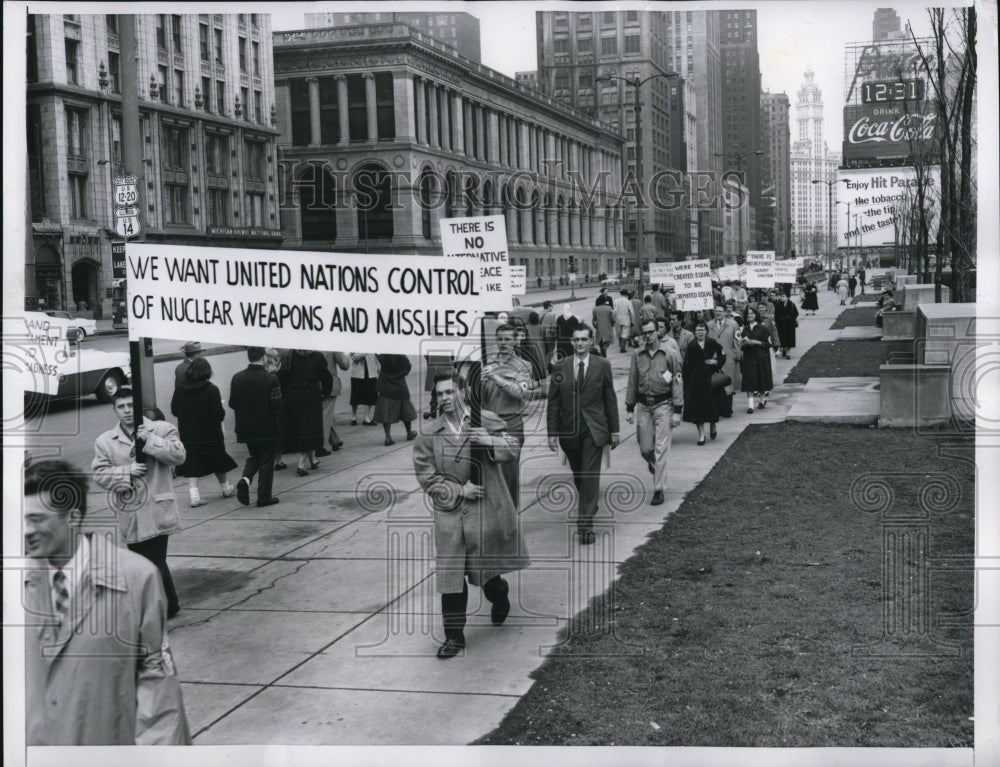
<point x="373" y="198"/>
<point x="318" y="207"/>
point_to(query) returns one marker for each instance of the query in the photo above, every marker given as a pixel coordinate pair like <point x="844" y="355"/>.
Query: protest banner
<point x="760" y="268"/>
<point x="785" y="271"/>
<point x="741" y="273"/>
<point x="518" y="280"/>
<point x="693" y="285"/>
<point x="661" y="274"/>
<point x="729" y="272"/>
<point x="322" y="301"/>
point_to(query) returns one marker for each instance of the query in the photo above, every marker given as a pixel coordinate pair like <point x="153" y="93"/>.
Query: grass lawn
<point x="750" y="604"/>
<point x="858" y="316"/>
<point x="867" y="298"/>
<point x="837" y="359"/>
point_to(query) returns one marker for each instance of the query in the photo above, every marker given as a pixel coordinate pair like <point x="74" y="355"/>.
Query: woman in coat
<point x="842" y="288"/>
<point x="724" y="330"/>
<point x="393" y="402"/>
<point x="197" y="406"/>
<point x="810" y="299"/>
<point x="755" y="367"/>
<point x="786" y="317"/>
<point x="305" y="379"/>
<point x="703" y="357"/>
<point x="364" y="374"/>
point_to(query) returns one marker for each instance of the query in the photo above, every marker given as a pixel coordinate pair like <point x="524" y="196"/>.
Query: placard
<point x="693" y="285"/>
<point x="518" y="280"/>
<point x="760" y="268"/>
<point x="785" y="271"/>
<point x="661" y="274"/>
<point x="303" y="300"/>
<point x="729" y="272"/>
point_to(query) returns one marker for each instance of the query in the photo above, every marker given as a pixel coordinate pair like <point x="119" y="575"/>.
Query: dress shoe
<point x="749" y="410"/>
<point x="388" y="441"/>
<point x="760" y="405"/>
<point x="657" y="498"/>
<point x="701" y="440"/>
<point x="587" y="537"/>
<point x="313" y="465"/>
<point x="335" y="446"/>
<point x="411" y="435"/>
<point x="280" y="465"/>
<point x="354" y="422"/>
<point x="369" y="423"/>
<point x="243" y="491"/>
<point x="499" y="611"/>
<point x="322" y="452"/>
<point x="301" y="473"/>
<point x="268" y="501"/>
<point x="172" y="613"/>
<point x="712" y="432"/>
<point x="451" y="648"/>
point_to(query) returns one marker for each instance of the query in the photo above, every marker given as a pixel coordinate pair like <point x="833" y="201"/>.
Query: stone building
<point x="384" y="131"/>
<point x="206" y="100"/>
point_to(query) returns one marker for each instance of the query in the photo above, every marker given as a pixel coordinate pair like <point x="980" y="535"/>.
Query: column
<point x="445" y="102"/>
<point x="314" y="125"/>
<point x="370" y="104"/>
<point x="504" y="123"/>
<point x="524" y="150"/>
<point x="345" y="137"/>
<point x="467" y="118"/>
<point x="421" y="113"/>
<point x="458" y="129"/>
<point x="402" y="90"/>
<point x="433" y="115"/>
<point x="492" y="129"/>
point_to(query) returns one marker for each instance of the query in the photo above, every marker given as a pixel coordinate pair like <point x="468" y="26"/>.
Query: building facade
<point x="811" y="160"/>
<point x="741" y="102"/>
<point x="459" y="30"/>
<point x="384" y="131"/>
<point x="886" y="24"/>
<point x="776" y="215"/>
<point x="206" y="96"/>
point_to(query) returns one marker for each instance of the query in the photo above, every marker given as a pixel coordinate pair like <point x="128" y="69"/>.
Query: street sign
<point x="120" y="212"/>
<point x="127" y="226"/>
<point x="126" y="190"/>
<point x="572" y="277"/>
<point x="118" y="261"/>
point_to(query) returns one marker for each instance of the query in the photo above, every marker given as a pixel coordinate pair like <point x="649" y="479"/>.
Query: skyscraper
<point x="885" y="24"/>
<point x="776" y="181"/>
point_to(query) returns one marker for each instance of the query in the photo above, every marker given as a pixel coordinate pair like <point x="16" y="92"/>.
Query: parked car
<point x="85" y="326"/>
<point x="608" y="282"/>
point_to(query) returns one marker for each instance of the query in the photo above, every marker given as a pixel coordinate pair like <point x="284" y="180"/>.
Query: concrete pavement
<point x="316" y="621"/>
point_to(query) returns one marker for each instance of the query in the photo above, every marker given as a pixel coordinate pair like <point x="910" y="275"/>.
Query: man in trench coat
<point x="476" y="531"/>
<point x="98" y="665"/>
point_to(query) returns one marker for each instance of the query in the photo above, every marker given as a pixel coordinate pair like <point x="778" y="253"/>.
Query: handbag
<point x="720" y="380"/>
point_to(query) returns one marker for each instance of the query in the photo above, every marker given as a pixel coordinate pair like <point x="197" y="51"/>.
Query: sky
<point x="792" y="35"/>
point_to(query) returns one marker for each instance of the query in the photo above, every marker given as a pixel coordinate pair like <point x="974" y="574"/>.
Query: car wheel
<point x="83" y="333"/>
<point x="108" y="387"/>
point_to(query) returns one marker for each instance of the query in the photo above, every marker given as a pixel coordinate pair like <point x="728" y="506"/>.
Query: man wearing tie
<point x="582" y="419"/>
<point x="98" y="666"/>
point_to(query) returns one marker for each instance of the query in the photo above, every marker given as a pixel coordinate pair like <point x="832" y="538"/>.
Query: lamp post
<point x="847" y="228"/>
<point x="829" y="221"/>
<point x="635" y="83"/>
<point x="738" y="157"/>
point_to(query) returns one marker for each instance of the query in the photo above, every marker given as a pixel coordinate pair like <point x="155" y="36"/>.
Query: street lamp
<point x="829" y="221"/>
<point x="635" y="83"/>
<point x="738" y="157"/>
<point x="847" y="229"/>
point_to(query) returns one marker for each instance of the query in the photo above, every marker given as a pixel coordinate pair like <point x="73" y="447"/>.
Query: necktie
<point x="579" y="378"/>
<point x="61" y="594"/>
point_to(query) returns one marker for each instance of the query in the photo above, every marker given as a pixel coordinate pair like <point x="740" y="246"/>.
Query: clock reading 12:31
<point x="880" y="92"/>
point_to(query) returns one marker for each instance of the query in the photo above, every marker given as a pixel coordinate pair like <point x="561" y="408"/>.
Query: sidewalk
<point x="316" y="621"/>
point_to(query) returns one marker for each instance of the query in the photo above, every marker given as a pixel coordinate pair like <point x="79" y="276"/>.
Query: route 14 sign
<point x="126" y="226"/>
<point x="126" y="209"/>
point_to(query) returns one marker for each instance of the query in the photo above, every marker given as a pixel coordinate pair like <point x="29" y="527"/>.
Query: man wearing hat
<point x="191" y="349"/>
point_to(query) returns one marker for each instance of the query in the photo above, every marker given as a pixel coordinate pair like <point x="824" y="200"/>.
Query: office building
<point x="885" y="25"/>
<point x="811" y="160"/>
<point x="776" y="193"/>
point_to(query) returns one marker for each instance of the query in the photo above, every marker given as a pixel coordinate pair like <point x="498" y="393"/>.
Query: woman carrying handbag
<point x="703" y="359"/>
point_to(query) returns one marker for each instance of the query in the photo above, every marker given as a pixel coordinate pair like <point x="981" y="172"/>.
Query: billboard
<point x="901" y="130"/>
<point x="878" y="200"/>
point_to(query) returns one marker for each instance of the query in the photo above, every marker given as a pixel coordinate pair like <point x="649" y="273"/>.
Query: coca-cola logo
<point x="907" y="127"/>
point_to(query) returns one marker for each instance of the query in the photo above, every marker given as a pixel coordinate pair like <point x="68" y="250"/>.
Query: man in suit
<point x="98" y="665"/>
<point x="582" y="419"/>
<point x="255" y="398"/>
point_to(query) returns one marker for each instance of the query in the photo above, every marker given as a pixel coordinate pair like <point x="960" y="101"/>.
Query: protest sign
<point x="741" y="273"/>
<point x="323" y="301"/>
<point x="785" y="271"/>
<point x="729" y="272"/>
<point x="760" y="268"/>
<point x="518" y="279"/>
<point x="661" y="274"/>
<point x="693" y="285"/>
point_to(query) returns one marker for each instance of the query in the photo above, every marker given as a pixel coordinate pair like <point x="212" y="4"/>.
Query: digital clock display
<point x="880" y="92"/>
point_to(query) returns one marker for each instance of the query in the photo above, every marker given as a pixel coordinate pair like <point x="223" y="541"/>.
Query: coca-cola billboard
<point x="900" y="131"/>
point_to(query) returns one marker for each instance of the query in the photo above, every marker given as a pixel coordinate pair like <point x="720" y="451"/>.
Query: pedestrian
<point x="852" y="285"/>
<point x="305" y="380"/>
<point x="786" y="319"/>
<point x="272" y="364"/>
<point x="655" y="396"/>
<point x="476" y="531"/>
<point x="335" y="361"/>
<point x="755" y="367"/>
<point x="636" y="302"/>
<point x="861" y="279"/>
<point x="681" y="335"/>
<point x="810" y="298"/>
<point x="659" y="300"/>
<point x="364" y="374"/>
<point x="192" y="350"/>
<point x="98" y="666"/>
<point x="141" y="487"/>
<point x="549" y="331"/>
<point x="197" y="406"/>
<point x="724" y="330"/>
<point x="506" y="386"/>
<point x="525" y="350"/>
<point x="603" y="299"/>
<point x="740" y="298"/>
<point x="842" y="289"/>
<point x="604" y="327"/>
<point x="393" y="403"/>
<point x="648" y="311"/>
<point x="623" y="319"/>
<point x="582" y="419"/>
<point x="256" y="401"/>
<point x="566" y="323"/>
<point x="536" y="342"/>
<point x="703" y="358"/>
<point x="435" y="365"/>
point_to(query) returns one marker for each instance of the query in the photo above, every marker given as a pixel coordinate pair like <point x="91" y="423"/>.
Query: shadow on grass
<point x="751" y="602"/>
<point x="838" y="359"/>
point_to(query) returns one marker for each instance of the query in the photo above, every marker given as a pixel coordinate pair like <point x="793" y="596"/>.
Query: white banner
<point x="879" y="200"/>
<point x="661" y="274"/>
<point x="303" y="300"/>
<point x="729" y="272"/>
<point x="760" y="269"/>
<point x="785" y="271"/>
<point x="518" y="279"/>
<point x="693" y="285"/>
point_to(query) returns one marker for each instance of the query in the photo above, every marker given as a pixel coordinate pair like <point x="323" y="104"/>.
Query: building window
<point x="357" y="109"/>
<point x="175" y="204"/>
<point x="253" y="155"/>
<point x="299" y="97"/>
<point x="217" y="155"/>
<point x="76" y="134"/>
<point x="254" y="24"/>
<point x="317" y="207"/>
<point x="220" y="97"/>
<point x="374" y="203"/>
<point x="560" y="46"/>
<point x="117" y="157"/>
<point x="631" y="17"/>
<point x="608" y="18"/>
<point x="631" y="43"/>
<point x="161" y="31"/>
<point x="77" y="195"/>
<point x="218" y="47"/>
<point x="243" y="54"/>
<point x="583" y="21"/>
<point x="385" y="108"/>
<point x="218" y="207"/>
<point x="179" y="87"/>
<point x="162" y="79"/>
<point x="72" y="62"/>
<point x="203" y="46"/>
<point x="329" y="113"/>
<point x="175" y="31"/>
<point x="255" y="49"/>
<point x="114" y="73"/>
<point x="111" y="23"/>
<point x="254" y="213"/>
<point x="585" y="45"/>
<point x="206" y="94"/>
<point x="245" y="101"/>
<point x="258" y="106"/>
<point x="609" y="46"/>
